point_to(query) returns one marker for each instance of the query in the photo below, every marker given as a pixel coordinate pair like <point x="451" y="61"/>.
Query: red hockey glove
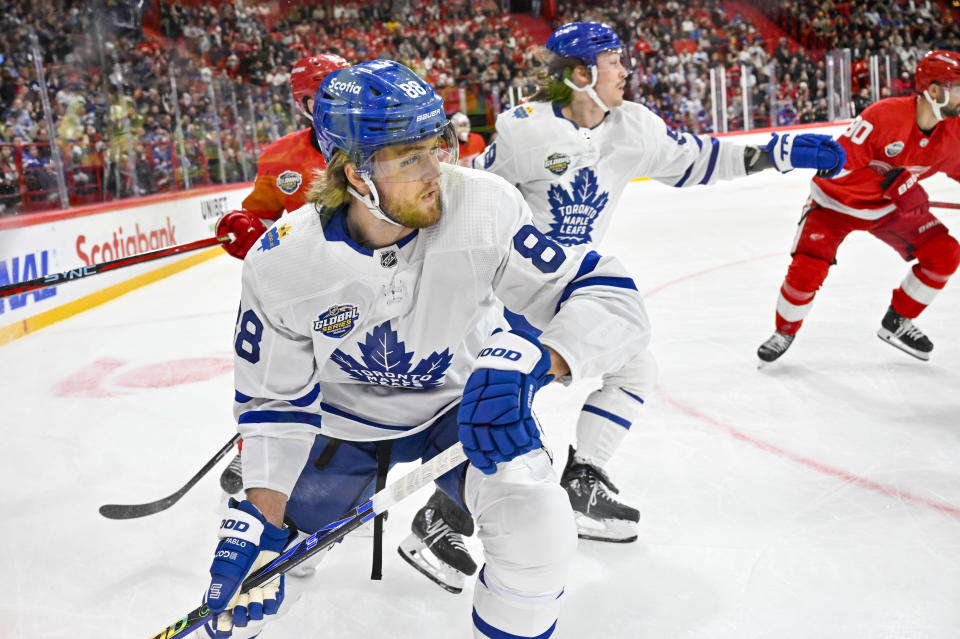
<point x="247" y="228"/>
<point x="904" y="189"/>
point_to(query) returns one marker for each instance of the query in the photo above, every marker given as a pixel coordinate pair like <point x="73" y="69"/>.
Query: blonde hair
<point x="329" y="186"/>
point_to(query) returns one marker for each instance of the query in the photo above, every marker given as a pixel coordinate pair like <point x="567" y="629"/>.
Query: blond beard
<point x="413" y="215"/>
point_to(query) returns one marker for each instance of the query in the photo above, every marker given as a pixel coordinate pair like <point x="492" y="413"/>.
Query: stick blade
<point x="132" y="511"/>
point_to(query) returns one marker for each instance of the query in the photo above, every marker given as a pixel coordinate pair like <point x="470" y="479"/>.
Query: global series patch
<point x="289" y="182"/>
<point x="893" y="149"/>
<point x="557" y="163"/>
<point x="337" y="321"/>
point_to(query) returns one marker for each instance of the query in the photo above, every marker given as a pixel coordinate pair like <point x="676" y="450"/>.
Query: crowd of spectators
<point x="124" y="85"/>
<point x="452" y="44"/>
<point x="898" y="31"/>
<point x="675" y="44"/>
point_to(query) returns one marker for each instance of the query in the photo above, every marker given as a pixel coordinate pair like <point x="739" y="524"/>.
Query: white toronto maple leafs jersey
<point x="573" y="177"/>
<point x="363" y="344"/>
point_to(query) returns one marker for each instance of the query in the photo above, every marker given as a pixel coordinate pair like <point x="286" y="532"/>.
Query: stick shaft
<point x="413" y="481"/>
<point x="132" y="511"/>
<point x="945" y="205"/>
<point x="95" y="269"/>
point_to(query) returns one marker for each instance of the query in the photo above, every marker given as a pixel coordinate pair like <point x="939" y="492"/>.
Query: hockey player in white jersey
<point x="571" y="150"/>
<point x="369" y="316"/>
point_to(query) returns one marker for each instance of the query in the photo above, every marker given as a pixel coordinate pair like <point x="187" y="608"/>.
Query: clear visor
<point x="415" y="162"/>
<point x="621" y="54"/>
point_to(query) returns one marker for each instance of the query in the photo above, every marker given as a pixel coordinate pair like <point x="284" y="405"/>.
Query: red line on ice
<point x="739" y="435"/>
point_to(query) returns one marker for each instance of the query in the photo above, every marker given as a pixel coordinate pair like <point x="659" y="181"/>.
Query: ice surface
<point x="818" y="497"/>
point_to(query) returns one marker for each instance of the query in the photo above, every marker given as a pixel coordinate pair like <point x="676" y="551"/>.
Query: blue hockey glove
<point x="247" y="543"/>
<point x="790" y="151"/>
<point x="495" y="419"/>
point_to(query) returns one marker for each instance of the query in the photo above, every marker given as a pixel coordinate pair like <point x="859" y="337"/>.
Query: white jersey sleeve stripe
<point x="616" y="282"/>
<point x="307" y="399"/>
<point x="714" y="151"/>
<point x="279" y="417"/>
<point x="686" y="175"/>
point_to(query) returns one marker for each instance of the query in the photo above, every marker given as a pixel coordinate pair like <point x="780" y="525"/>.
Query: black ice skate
<point x="599" y="517"/>
<point x="897" y="330"/>
<point x="774" y="347"/>
<point x="231" y="480"/>
<point x="435" y="547"/>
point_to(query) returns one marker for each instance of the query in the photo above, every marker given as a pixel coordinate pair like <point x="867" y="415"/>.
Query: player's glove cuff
<point x="514" y="350"/>
<point x="790" y="151"/>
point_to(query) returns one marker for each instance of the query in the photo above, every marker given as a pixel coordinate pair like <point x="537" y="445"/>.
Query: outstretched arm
<point x="787" y="151"/>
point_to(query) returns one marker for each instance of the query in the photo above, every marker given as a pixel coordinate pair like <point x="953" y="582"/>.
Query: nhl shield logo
<point x="557" y="163"/>
<point x="337" y="321"/>
<point x="289" y="182"/>
<point x="893" y="148"/>
<point x="388" y="259"/>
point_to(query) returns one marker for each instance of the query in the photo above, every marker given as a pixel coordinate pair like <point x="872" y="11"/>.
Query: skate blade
<point x="891" y="339"/>
<point x="615" y="531"/>
<point x="415" y="553"/>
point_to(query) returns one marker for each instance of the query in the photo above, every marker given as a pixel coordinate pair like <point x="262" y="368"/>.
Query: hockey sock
<point x="937" y="261"/>
<point x="604" y="421"/>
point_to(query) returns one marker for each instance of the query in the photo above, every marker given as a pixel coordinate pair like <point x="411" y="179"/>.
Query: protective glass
<point x="416" y="162"/>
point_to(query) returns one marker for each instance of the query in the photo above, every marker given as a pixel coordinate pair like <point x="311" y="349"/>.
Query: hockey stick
<point x="945" y="205"/>
<point x="86" y="271"/>
<point x="399" y="490"/>
<point x="119" y="511"/>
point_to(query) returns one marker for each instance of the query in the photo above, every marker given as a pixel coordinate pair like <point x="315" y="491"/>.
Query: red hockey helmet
<point x="942" y="67"/>
<point x="308" y="73"/>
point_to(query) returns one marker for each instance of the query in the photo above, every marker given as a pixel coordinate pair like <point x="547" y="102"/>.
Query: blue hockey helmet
<point x="583" y="41"/>
<point x="375" y="104"/>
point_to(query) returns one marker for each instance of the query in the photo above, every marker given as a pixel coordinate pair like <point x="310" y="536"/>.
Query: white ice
<point x="818" y="497"/>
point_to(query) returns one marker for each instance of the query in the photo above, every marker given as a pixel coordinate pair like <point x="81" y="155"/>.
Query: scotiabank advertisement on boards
<point x="31" y="251"/>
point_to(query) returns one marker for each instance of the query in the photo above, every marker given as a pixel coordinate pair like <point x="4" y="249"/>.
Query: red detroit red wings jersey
<point x="284" y="172"/>
<point x="886" y="135"/>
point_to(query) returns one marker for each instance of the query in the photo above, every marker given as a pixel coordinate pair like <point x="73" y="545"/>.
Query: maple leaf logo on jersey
<point x="386" y="362"/>
<point x="575" y="211"/>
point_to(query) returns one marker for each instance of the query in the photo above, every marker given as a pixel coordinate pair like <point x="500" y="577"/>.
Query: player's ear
<point x="355" y="180"/>
<point x="936" y="91"/>
<point x="581" y="75"/>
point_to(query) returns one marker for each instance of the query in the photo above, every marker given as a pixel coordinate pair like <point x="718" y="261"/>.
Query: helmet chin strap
<point x="589" y="89"/>
<point x="936" y="106"/>
<point x="372" y="201"/>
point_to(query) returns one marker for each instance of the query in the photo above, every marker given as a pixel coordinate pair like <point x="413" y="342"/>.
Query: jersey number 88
<point x="545" y="254"/>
